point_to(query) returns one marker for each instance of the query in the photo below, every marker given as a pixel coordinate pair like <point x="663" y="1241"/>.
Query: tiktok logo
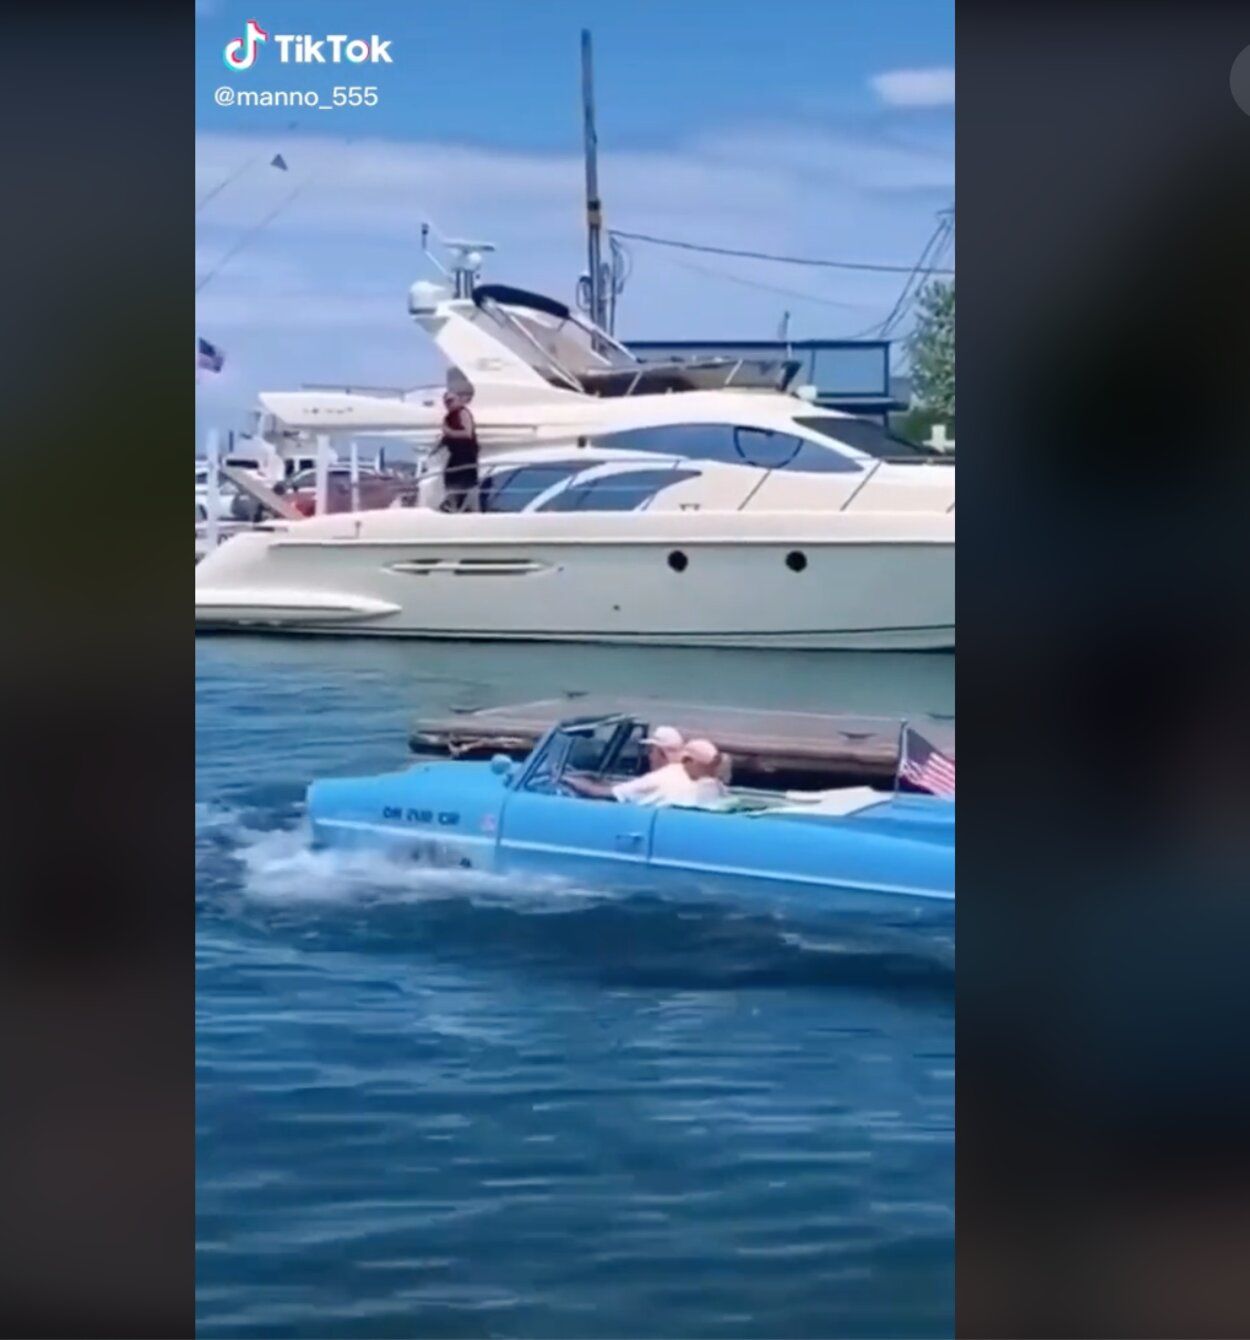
<point x="241" y="52"/>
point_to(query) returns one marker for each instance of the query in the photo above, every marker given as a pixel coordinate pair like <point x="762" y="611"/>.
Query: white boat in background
<point x="683" y="503"/>
<point x="265" y="453"/>
<point x="268" y="457"/>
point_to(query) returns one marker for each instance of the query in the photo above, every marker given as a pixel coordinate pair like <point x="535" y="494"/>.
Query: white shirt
<point x="670" y="785"/>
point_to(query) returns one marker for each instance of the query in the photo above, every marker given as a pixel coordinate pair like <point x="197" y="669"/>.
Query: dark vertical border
<point x="1104" y="692"/>
<point x="97" y="950"/>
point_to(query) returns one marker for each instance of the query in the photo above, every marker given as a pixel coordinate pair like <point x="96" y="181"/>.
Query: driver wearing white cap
<point x="681" y="774"/>
<point x="664" y="746"/>
<point x="667" y="776"/>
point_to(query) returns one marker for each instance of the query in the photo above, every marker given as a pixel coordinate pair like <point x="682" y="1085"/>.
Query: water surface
<point x="445" y="1104"/>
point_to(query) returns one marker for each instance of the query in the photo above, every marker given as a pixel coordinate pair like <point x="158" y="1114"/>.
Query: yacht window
<point x="513" y="488"/>
<point x="731" y="445"/>
<point x="625" y="492"/>
<point x="866" y="436"/>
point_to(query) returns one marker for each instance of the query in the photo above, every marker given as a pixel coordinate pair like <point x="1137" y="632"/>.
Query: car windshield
<point x="592" y="749"/>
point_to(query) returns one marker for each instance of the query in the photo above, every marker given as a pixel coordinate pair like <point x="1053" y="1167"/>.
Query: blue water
<point x="439" y="1104"/>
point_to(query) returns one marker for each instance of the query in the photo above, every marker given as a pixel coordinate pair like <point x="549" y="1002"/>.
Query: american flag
<point x="924" y="766"/>
<point x="208" y="355"/>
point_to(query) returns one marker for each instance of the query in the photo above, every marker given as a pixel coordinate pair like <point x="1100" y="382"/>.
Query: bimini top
<point x="519" y="297"/>
<point x="595" y="363"/>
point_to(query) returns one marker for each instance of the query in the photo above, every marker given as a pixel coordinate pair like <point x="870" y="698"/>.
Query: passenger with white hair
<point x="703" y="764"/>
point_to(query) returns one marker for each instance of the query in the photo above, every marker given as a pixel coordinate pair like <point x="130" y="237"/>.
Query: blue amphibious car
<point x="853" y="849"/>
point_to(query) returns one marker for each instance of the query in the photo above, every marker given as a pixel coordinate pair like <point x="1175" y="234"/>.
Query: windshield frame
<point x="549" y="759"/>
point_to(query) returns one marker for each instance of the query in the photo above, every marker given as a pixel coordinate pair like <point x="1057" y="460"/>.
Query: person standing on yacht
<point x="459" y="440"/>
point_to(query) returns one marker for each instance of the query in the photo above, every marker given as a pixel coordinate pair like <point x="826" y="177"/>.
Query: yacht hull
<point x="800" y="592"/>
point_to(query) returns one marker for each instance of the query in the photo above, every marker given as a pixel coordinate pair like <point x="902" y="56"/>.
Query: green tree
<point x="931" y="346"/>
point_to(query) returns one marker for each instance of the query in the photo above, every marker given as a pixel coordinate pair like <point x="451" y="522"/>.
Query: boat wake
<point x="262" y="869"/>
<point x="280" y="865"/>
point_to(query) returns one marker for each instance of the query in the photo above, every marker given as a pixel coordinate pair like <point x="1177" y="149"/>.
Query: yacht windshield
<point x="866" y="436"/>
<point x="730" y="445"/>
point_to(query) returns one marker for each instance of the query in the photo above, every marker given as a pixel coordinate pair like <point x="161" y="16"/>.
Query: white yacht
<point x="684" y="503"/>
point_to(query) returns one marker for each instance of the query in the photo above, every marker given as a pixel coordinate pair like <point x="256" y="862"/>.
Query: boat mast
<point x="594" y="206"/>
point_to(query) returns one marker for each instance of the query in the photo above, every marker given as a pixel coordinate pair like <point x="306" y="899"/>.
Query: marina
<point x="573" y="955"/>
<point x="646" y="499"/>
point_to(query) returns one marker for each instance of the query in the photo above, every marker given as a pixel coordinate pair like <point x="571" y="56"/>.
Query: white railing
<point x="380" y="392"/>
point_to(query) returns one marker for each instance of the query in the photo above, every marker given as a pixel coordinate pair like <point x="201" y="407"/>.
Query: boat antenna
<point x="466" y="259"/>
<point x="596" y="304"/>
<point x="426" y="228"/>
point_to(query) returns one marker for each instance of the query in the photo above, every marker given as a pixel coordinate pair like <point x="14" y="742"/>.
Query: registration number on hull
<point x="444" y="818"/>
<point x="428" y="851"/>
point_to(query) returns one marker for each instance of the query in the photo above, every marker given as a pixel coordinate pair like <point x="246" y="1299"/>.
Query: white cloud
<point x="932" y="87"/>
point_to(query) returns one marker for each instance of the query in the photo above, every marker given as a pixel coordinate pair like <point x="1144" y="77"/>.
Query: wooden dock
<point x="772" y="749"/>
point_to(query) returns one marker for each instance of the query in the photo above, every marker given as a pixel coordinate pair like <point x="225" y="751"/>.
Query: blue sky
<point x="816" y="127"/>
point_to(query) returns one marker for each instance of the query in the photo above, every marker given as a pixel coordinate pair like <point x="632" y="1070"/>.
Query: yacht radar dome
<point x="424" y="296"/>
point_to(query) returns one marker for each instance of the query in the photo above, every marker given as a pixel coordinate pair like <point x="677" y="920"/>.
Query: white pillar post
<point x="323" y="473"/>
<point x="211" y="494"/>
<point x="355" y="463"/>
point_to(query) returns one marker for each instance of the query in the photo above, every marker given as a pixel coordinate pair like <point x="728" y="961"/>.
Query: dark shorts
<point x="460" y="476"/>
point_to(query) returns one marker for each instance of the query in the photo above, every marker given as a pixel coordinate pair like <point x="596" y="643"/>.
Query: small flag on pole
<point x="279" y="162"/>
<point x="924" y="766"/>
<point x="208" y="356"/>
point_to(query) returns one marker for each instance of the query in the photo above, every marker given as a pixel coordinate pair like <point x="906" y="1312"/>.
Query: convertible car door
<point x="553" y="832"/>
<point x="786" y="866"/>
